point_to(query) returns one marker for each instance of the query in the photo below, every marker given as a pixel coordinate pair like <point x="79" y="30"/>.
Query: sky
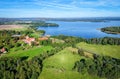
<point x="59" y="8"/>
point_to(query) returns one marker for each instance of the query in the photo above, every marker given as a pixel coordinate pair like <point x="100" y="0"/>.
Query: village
<point x="28" y="42"/>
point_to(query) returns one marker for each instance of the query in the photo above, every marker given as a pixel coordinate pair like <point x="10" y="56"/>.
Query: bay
<point x="80" y="29"/>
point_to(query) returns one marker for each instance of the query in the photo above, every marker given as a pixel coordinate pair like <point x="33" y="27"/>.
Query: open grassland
<point x="50" y="73"/>
<point x="14" y="27"/>
<point x="29" y="52"/>
<point x="106" y="50"/>
<point x="60" y="65"/>
<point x="64" y="60"/>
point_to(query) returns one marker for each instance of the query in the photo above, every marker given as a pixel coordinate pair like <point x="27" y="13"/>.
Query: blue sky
<point x="59" y="8"/>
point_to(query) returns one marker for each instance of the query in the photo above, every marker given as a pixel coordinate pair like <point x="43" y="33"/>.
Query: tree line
<point x="104" y="41"/>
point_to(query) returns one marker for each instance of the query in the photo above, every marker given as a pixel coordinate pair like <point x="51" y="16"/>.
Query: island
<point x="111" y="30"/>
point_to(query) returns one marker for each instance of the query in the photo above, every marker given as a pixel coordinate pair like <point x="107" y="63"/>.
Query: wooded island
<point x="111" y="30"/>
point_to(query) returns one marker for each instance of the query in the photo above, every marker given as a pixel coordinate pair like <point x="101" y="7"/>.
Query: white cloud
<point x="55" y="8"/>
<point x="101" y="3"/>
<point x="54" y="4"/>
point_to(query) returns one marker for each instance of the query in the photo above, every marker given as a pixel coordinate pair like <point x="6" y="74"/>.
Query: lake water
<point x="80" y="29"/>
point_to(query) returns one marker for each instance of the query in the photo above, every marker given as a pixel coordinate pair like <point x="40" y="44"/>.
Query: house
<point x="16" y="36"/>
<point x="48" y="36"/>
<point x="3" y="50"/>
<point x="29" y="40"/>
<point x="43" y="38"/>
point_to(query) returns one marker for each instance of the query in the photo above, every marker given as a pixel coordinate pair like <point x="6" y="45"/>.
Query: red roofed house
<point x="29" y="40"/>
<point x="43" y="38"/>
<point x="3" y="50"/>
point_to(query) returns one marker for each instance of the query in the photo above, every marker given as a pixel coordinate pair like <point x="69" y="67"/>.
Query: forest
<point x="102" y="66"/>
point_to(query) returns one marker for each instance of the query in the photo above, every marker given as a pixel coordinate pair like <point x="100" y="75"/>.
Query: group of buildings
<point x="28" y="40"/>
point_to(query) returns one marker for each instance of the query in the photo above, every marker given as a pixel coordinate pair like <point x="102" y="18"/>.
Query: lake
<point x="80" y="29"/>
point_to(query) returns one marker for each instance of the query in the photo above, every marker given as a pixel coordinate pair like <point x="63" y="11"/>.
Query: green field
<point x="59" y="66"/>
<point x="106" y="50"/>
<point x="29" y="52"/>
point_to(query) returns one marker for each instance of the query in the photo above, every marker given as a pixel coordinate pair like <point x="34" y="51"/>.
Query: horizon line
<point x="67" y="17"/>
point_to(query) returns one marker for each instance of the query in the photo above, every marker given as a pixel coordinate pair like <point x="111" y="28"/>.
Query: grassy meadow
<point x="106" y="50"/>
<point x="29" y="52"/>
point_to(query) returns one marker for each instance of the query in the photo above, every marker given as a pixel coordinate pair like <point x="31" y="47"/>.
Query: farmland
<point x="105" y="50"/>
<point x="13" y="27"/>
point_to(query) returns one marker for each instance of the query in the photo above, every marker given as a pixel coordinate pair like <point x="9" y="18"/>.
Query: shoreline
<point x="109" y="32"/>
